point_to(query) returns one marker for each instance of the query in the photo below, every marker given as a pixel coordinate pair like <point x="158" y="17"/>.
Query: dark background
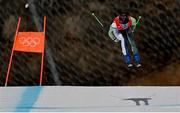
<point x="79" y="52"/>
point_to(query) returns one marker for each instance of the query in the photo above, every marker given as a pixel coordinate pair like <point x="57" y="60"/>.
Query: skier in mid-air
<point x="121" y="31"/>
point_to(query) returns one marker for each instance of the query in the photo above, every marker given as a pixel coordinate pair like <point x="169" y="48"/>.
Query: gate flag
<point x="28" y="42"/>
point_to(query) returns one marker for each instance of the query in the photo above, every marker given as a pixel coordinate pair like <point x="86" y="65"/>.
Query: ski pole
<point x="97" y="20"/>
<point x="136" y="24"/>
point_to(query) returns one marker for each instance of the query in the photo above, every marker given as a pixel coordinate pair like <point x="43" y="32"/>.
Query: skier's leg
<point x="134" y="50"/>
<point x="127" y="57"/>
<point x="125" y="52"/>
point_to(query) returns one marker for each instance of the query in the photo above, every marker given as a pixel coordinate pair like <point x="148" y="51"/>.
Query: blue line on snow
<point x="28" y="99"/>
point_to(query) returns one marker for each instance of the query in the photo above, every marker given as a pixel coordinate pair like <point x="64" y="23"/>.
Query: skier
<point x="121" y="31"/>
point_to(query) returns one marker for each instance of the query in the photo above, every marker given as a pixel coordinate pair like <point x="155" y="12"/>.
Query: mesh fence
<point x="78" y="51"/>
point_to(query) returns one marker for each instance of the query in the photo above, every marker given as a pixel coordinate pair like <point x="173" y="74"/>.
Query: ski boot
<point x="127" y="59"/>
<point x="138" y="65"/>
<point x="137" y="60"/>
<point x="129" y="65"/>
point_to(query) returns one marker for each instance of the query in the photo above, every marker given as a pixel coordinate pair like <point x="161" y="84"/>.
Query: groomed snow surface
<point x="68" y="98"/>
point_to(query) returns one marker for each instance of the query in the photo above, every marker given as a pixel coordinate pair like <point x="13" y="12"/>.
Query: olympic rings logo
<point x="29" y="41"/>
